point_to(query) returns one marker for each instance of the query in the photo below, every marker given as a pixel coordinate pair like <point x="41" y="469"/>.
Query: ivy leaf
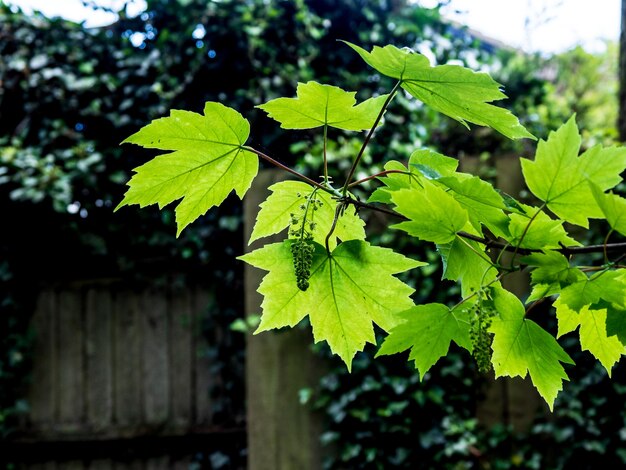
<point x="349" y="290"/>
<point x="613" y="207"/>
<point x="208" y="161"/>
<point x="457" y="92"/>
<point x="287" y="198"/>
<point x="319" y="105"/>
<point x="434" y="215"/>
<point x="520" y="346"/>
<point x="559" y="177"/>
<point x="427" y="330"/>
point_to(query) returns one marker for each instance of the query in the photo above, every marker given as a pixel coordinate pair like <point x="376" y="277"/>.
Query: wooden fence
<point x="118" y="371"/>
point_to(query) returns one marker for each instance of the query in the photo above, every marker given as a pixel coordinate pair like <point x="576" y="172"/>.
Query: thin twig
<point x="491" y="243"/>
<point x="344" y="190"/>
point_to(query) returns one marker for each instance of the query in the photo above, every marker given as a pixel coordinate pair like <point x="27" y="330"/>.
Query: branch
<point x="491" y="243"/>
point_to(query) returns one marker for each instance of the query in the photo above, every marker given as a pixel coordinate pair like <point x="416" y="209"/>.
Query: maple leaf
<point x="434" y="215"/>
<point x="613" y="207"/>
<point x="455" y="91"/>
<point x="208" y="162"/>
<point x="350" y="289"/>
<point x="559" y="177"/>
<point x="521" y="347"/>
<point x="551" y="272"/>
<point x="319" y="105"/>
<point x="540" y="233"/>
<point x="287" y="198"/>
<point x="465" y="261"/>
<point x="594" y="332"/>
<point x="427" y="330"/>
<point x="482" y="202"/>
<point x="595" y="304"/>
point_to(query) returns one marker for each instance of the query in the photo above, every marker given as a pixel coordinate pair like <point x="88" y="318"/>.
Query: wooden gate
<point x="119" y="379"/>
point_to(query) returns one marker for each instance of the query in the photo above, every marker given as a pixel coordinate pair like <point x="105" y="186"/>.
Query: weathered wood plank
<point x="99" y="357"/>
<point x="127" y="362"/>
<point x="181" y="353"/>
<point x="202" y="364"/>
<point x="71" y="387"/>
<point x="155" y="357"/>
<point x="282" y="434"/>
<point x="42" y="393"/>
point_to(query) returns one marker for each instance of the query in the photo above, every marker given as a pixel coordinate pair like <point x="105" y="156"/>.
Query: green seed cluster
<point x="302" y="248"/>
<point x="302" y="252"/>
<point x="481" y="316"/>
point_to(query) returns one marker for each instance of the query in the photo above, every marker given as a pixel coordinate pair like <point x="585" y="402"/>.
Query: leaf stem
<point x="377" y="175"/>
<point x="325" y="157"/>
<point x="493" y="281"/>
<point x="289" y="170"/>
<point x="480" y="255"/>
<point x="521" y="239"/>
<point x="357" y="160"/>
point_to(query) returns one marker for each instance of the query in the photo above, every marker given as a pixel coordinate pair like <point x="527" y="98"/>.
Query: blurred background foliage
<point x="69" y="95"/>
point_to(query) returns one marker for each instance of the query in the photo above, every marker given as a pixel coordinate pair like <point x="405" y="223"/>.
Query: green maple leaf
<point x="457" y="92"/>
<point x="609" y="286"/>
<point x="560" y="177"/>
<point x="422" y="163"/>
<point x="596" y="304"/>
<point x="616" y="322"/>
<point x="349" y="290"/>
<point x="482" y="202"/>
<point x="433" y="165"/>
<point x="613" y="207"/>
<point x="287" y="198"/>
<point x="552" y="272"/>
<point x="208" y="161"/>
<point x="567" y="318"/>
<point x="462" y="262"/>
<point x="319" y="105"/>
<point x="521" y="347"/>
<point x="434" y="215"/>
<point x="594" y="332"/>
<point x="542" y="233"/>
<point x="427" y="330"/>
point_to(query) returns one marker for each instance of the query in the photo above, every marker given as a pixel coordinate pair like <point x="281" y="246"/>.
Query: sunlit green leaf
<point x="290" y="197"/>
<point x="453" y="90"/>
<point x="560" y="178"/>
<point x="349" y="291"/>
<point x="427" y="330"/>
<point x="319" y="105"/>
<point x="208" y="161"/>
<point x="522" y="347"/>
